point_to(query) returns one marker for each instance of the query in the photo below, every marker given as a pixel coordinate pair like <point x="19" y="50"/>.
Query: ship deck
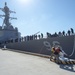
<point x="14" y="63"/>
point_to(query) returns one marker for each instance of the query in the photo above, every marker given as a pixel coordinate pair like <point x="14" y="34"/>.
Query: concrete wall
<point x="43" y="46"/>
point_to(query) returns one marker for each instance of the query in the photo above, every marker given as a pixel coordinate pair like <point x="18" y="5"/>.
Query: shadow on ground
<point x="69" y="67"/>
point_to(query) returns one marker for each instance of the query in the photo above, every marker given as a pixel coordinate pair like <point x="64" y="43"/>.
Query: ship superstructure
<point x="7" y="31"/>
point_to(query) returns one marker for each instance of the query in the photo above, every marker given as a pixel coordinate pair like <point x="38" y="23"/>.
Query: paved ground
<point x="14" y="63"/>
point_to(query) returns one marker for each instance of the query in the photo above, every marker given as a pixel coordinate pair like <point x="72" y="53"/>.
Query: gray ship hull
<point x="43" y="46"/>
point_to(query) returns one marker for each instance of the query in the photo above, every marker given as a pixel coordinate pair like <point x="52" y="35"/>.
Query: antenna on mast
<point x="5" y="3"/>
<point x="6" y="16"/>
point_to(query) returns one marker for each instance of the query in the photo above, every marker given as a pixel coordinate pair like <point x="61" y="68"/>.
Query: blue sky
<point x="41" y="15"/>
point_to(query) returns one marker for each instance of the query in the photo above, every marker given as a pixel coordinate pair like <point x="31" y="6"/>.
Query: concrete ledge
<point x="36" y="54"/>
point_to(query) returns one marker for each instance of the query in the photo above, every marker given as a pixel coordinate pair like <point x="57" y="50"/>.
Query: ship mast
<point x="6" y="15"/>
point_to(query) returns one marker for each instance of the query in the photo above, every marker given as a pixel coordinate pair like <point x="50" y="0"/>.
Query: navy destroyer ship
<point x="13" y="40"/>
<point x="7" y="31"/>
